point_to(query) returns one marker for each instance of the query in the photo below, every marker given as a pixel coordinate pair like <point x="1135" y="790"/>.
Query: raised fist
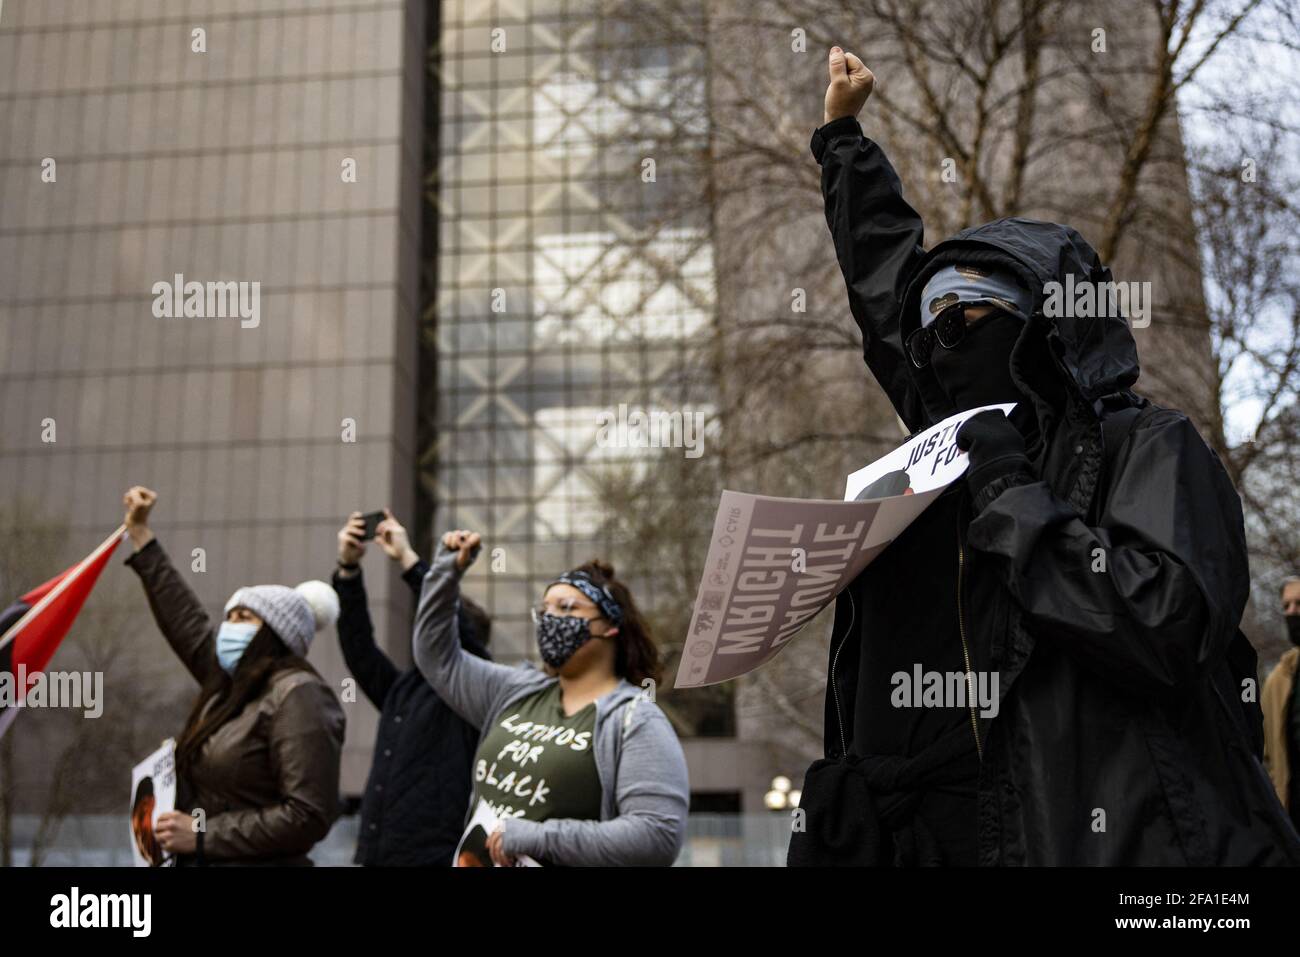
<point x="850" y="85"/>
<point x="139" y="501"/>
<point x="465" y="543"/>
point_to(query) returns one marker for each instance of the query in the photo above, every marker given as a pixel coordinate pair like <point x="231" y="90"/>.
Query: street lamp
<point x="781" y="795"/>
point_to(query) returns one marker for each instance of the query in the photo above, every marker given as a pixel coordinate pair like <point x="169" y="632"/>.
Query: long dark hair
<point x="636" y="655"/>
<point x="265" y="656"/>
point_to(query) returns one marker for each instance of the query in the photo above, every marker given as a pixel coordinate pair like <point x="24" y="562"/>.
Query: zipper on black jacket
<point x="961" y="630"/>
<point x="835" y="691"/>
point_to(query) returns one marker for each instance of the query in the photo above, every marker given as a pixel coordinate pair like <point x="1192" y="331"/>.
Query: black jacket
<point x="1121" y="735"/>
<point x="420" y="776"/>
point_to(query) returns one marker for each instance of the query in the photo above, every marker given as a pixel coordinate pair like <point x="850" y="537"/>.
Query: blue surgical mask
<point x="232" y="638"/>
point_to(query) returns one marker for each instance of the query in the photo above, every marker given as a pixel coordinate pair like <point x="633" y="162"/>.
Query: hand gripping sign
<point x="153" y="792"/>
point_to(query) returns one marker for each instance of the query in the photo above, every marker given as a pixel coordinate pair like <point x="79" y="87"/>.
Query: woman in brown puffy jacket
<point x="258" y="761"/>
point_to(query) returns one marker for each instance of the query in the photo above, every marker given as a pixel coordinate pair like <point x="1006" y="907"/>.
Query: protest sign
<point x="472" y="850"/>
<point x="774" y="563"/>
<point x="153" y="792"/>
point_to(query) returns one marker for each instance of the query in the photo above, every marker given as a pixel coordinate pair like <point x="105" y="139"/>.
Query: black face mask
<point x="1293" y="628"/>
<point x="978" y="371"/>
<point x="560" y="637"/>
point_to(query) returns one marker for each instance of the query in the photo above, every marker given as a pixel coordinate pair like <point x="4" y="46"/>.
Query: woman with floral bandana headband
<point x="575" y="759"/>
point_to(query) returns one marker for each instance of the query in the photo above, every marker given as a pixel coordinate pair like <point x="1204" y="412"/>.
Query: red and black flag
<point x="33" y="626"/>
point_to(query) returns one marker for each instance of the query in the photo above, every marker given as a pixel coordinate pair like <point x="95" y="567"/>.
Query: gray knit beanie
<point x="295" y="614"/>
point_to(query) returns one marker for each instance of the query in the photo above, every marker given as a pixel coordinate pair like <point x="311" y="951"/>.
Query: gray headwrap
<point x="973" y="285"/>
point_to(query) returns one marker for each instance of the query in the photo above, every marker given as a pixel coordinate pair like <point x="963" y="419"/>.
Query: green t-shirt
<point x="538" y="763"/>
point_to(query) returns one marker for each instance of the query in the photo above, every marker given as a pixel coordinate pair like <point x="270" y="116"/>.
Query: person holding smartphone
<point x="576" y="761"/>
<point x="419" y="780"/>
<point x="259" y="754"/>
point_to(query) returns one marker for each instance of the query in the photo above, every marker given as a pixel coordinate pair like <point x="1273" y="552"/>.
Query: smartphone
<point x="372" y="520"/>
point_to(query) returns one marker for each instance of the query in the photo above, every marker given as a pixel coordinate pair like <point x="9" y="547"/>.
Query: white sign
<point x="774" y="563"/>
<point x="472" y="850"/>
<point x="153" y="792"/>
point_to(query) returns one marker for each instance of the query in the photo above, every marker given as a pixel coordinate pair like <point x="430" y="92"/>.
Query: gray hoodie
<point x="643" y="778"/>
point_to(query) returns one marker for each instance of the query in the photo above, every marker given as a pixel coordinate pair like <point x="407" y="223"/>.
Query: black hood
<point x="1094" y="356"/>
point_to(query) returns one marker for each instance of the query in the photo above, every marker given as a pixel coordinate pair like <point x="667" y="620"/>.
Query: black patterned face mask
<point x="559" y="637"/>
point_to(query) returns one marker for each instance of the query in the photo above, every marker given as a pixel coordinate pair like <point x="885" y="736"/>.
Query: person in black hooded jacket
<point x="413" y="809"/>
<point x="1093" y="561"/>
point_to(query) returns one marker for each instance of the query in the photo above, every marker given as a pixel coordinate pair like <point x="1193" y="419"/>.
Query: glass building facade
<point x="574" y="275"/>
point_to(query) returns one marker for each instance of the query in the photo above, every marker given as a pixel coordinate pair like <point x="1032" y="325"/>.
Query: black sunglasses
<point x="948" y="331"/>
